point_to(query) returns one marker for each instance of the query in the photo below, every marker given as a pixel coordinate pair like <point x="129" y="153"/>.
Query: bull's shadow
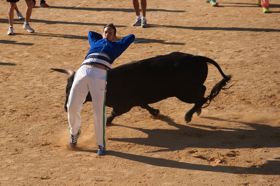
<point x="186" y="136"/>
<point x="271" y="167"/>
<point x="201" y="136"/>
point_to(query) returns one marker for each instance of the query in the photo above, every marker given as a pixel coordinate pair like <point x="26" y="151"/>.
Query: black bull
<point x="150" y="80"/>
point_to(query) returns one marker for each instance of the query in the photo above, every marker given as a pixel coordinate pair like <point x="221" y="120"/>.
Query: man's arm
<point x="93" y="37"/>
<point x="126" y="41"/>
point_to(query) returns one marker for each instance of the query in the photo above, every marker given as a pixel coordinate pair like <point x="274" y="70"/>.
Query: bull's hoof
<point x="198" y="112"/>
<point x="109" y="121"/>
<point x="155" y="112"/>
<point x="108" y="124"/>
<point x="188" y="118"/>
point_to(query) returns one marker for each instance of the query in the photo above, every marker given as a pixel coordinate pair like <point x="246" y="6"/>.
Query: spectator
<point x="43" y="4"/>
<point x="19" y="15"/>
<point x="213" y="2"/>
<point x="265" y="5"/>
<point x="13" y="6"/>
<point x="140" y="20"/>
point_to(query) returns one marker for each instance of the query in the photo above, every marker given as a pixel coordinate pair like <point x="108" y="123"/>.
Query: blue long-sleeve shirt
<point x="101" y="45"/>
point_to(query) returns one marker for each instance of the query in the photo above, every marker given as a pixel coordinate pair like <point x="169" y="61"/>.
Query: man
<point x="43" y="4"/>
<point x="26" y="26"/>
<point x="213" y="2"/>
<point x="140" y="20"/>
<point x="265" y="5"/>
<point x="91" y="77"/>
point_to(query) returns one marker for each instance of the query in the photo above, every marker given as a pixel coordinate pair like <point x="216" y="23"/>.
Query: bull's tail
<point x="211" y="61"/>
<point x="216" y="89"/>
<point x="220" y="85"/>
<point x="70" y="74"/>
<point x="64" y="71"/>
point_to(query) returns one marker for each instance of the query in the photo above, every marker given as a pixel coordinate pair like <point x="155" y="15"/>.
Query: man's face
<point x="109" y="34"/>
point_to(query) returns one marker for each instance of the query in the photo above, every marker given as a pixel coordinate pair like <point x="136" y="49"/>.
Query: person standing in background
<point x="19" y="15"/>
<point x="140" y="20"/>
<point x="26" y="26"/>
<point x="213" y="3"/>
<point x="265" y="5"/>
<point x="43" y="4"/>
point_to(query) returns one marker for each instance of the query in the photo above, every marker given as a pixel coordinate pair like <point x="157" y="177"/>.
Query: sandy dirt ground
<point x="235" y="141"/>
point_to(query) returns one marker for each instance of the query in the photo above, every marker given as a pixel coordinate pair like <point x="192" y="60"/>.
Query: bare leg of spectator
<point x="26" y="25"/>
<point x="19" y="15"/>
<point x="11" y="18"/>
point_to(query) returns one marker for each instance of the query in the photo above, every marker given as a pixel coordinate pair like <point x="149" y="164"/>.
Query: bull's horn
<point x="65" y="71"/>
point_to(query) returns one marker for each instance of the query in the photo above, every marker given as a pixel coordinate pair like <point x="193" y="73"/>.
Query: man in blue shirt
<point x="91" y="77"/>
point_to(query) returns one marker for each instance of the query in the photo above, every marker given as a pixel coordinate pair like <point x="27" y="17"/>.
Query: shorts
<point x="12" y="1"/>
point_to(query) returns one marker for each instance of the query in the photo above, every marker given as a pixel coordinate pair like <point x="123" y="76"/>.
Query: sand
<point x="235" y="141"/>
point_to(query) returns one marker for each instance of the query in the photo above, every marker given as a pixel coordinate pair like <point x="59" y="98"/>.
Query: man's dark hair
<point x="111" y="25"/>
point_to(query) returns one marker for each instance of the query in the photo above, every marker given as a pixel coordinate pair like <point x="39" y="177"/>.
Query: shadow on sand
<point x="15" y="42"/>
<point x="114" y="9"/>
<point x="137" y="41"/>
<point x="239" y="29"/>
<point x="53" y="22"/>
<point x="200" y="28"/>
<point x="259" y="135"/>
<point x="7" y="64"/>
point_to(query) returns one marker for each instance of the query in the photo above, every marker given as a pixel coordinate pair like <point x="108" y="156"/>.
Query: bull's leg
<point x="111" y="117"/>
<point x="117" y="111"/>
<point x="197" y="97"/>
<point x="196" y="108"/>
<point x="152" y="111"/>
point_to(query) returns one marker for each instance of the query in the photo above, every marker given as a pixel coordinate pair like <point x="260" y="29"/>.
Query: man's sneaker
<point x="44" y="5"/>
<point x="143" y="23"/>
<point x="101" y="150"/>
<point x="74" y="139"/>
<point x="137" y="22"/>
<point x="10" y="31"/>
<point x="266" y="10"/>
<point x="28" y="28"/>
<point x="19" y="15"/>
<point x="213" y="3"/>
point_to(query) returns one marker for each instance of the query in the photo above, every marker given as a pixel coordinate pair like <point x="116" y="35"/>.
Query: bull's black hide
<point x="150" y="80"/>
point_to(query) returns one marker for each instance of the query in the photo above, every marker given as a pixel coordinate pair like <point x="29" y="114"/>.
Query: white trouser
<point x="93" y="80"/>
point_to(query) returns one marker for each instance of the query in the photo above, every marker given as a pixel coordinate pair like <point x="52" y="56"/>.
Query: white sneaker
<point x="11" y="31"/>
<point x="28" y="28"/>
<point x="74" y="139"/>
<point x="20" y="17"/>
<point x="137" y="22"/>
<point x="213" y="3"/>
<point x="144" y="22"/>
